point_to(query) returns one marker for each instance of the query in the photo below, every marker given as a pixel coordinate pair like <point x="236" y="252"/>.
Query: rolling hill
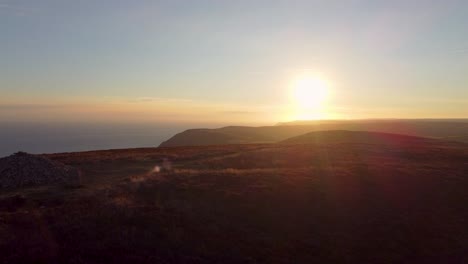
<point x="361" y="137"/>
<point x="450" y="130"/>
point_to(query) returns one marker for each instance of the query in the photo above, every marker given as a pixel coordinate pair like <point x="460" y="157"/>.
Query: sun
<point x="310" y="92"/>
<point x="309" y="95"/>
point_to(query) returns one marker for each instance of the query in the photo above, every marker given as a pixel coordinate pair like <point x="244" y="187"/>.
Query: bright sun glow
<point x="309" y="94"/>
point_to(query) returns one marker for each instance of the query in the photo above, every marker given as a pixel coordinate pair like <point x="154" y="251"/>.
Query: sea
<point x="55" y="137"/>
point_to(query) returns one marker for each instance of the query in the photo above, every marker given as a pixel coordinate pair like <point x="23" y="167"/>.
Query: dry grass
<point x="335" y="203"/>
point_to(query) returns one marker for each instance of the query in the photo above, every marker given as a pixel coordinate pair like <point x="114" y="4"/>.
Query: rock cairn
<point x="22" y="169"/>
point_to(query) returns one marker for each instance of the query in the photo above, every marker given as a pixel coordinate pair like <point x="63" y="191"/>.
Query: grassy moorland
<point x="257" y="203"/>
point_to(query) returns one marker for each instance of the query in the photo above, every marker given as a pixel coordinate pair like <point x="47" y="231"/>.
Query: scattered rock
<point x="22" y="169"/>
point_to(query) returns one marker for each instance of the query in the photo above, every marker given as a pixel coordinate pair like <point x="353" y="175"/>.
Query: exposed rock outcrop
<point x="22" y="169"/>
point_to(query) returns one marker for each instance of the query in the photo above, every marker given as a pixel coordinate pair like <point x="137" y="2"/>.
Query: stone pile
<point x="22" y="169"/>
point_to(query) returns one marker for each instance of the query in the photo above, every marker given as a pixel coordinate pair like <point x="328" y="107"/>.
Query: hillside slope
<point x="453" y="130"/>
<point x="234" y="135"/>
<point x="247" y="203"/>
<point x="361" y="137"/>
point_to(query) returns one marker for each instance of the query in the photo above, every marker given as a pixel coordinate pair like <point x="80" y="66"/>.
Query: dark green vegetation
<point x="454" y="130"/>
<point x="254" y="203"/>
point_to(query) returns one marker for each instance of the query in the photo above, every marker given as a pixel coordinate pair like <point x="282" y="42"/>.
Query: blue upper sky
<point x="215" y="60"/>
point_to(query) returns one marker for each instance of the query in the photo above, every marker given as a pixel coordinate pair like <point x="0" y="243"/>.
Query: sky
<point x="230" y="61"/>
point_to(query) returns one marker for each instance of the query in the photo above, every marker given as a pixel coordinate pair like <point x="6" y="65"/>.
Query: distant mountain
<point x="234" y="135"/>
<point x="455" y="130"/>
<point x="364" y="137"/>
<point x="364" y="121"/>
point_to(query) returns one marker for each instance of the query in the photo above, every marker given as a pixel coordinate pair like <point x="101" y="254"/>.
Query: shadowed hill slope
<point x="362" y="137"/>
<point x="452" y="130"/>
<point x="202" y="137"/>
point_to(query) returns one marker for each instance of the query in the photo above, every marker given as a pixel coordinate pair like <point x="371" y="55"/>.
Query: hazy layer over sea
<point x="70" y="137"/>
